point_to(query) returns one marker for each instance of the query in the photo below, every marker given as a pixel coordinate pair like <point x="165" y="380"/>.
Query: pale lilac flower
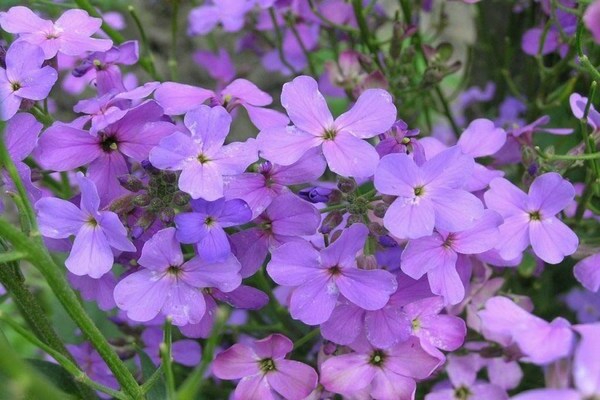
<point x="93" y="365"/>
<point x="320" y="277"/>
<point x="340" y="139"/>
<point x="531" y="218"/>
<point x="429" y="196"/>
<point x="504" y="322"/>
<point x="219" y="66"/>
<point x="205" y="225"/>
<point x="169" y="286"/>
<point x="260" y="188"/>
<point x="63" y="147"/>
<point x="587" y="272"/>
<point x="287" y="219"/>
<point x="384" y="374"/>
<point x="229" y="13"/>
<point x="202" y="158"/>
<point x="98" y="290"/>
<point x="20" y="138"/>
<point x="96" y="232"/>
<point x="185" y="352"/>
<point x="585" y="304"/>
<point x="24" y="78"/>
<point x="438" y="254"/>
<point x="177" y="98"/>
<point x="70" y="34"/>
<point x="591" y="19"/>
<point x="264" y="371"/>
<point x="462" y="372"/>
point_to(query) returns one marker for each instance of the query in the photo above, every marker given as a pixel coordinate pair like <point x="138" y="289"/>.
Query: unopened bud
<point x="131" y="182"/>
<point x="181" y="199"/>
<point x="387" y="241"/>
<point x="376" y="229"/>
<point x="367" y="262"/>
<point x="332" y="220"/>
<point x="315" y="194"/>
<point x="380" y="209"/>
<point x="169" y="177"/>
<point x="387" y="199"/>
<point x="346" y="185"/>
<point x="149" y="168"/>
<point x="166" y="215"/>
<point x="354" y="219"/>
<point x="142" y="200"/>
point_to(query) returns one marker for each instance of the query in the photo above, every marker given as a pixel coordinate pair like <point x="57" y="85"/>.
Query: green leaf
<point x="57" y="375"/>
<point x="527" y="266"/>
<point x="158" y="390"/>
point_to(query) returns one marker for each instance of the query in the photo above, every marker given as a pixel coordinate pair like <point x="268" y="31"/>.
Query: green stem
<point x="193" y="383"/>
<point x="365" y="33"/>
<point x="154" y="378"/>
<point x="69" y="365"/>
<point x="23" y="376"/>
<point x="333" y="208"/>
<point x="279" y="42"/>
<point x="581" y="157"/>
<point x="306" y="338"/>
<point x="147" y="60"/>
<point x="311" y="65"/>
<point x="172" y="61"/>
<point x="39" y="257"/>
<point x="167" y="359"/>
<point x="11" y="256"/>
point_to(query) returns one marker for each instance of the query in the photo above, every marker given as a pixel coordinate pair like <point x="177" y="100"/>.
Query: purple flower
<point x="178" y="98"/>
<point x="229" y="13"/>
<point x="320" y="277"/>
<point x="70" y="34"/>
<point x="462" y="371"/>
<point x="219" y="66"/>
<point x="99" y="290"/>
<point x="205" y="224"/>
<point x="438" y="254"/>
<point x="531" y="218"/>
<point x="591" y="18"/>
<point x="287" y="218"/>
<point x="384" y="374"/>
<point x="24" y="78"/>
<point x="93" y="365"/>
<point x="184" y="352"/>
<point x="264" y="371"/>
<point x="587" y="272"/>
<point x="340" y="139"/>
<point x="169" y="286"/>
<point x="20" y="138"/>
<point x="429" y="196"/>
<point x="259" y="189"/>
<point x="504" y="322"/>
<point x="202" y="158"/>
<point x="96" y="232"/>
<point x="400" y="139"/>
<point x="585" y="303"/>
<point x="63" y="147"/>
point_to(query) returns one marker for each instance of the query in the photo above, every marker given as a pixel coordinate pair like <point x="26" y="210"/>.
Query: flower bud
<point x="181" y="198"/>
<point x="315" y="194"/>
<point x="354" y="219"/>
<point x="367" y="262"/>
<point x="346" y="185"/>
<point x="387" y="241"/>
<point x="149" y="168"/>
<point x="166" y="215"/>
<point x="332" y="220"/>
<point x="131" y="182"/>
<point x="380" y="209"/>
<point x="388" y="199"/>
<point x="377" y="229"/>
<point x="142" y="200"/>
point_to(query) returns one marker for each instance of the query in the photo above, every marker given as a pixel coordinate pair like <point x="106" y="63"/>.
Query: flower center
<point x="267" y="365"/>
<point x="209" y="221"/>
<point x="335" y="270"/>
<point x="462" y="393"/>
<point x="92" y="222"/>
<point x="15" y="86"/>
<point x="419" y="191"/>
<point x="535" y="216"/>
<point x="109" y="144"/>
<point x="416" y="324"/>
<point x="202" y="159"/>
<point x="174" y="270"/>
<point x="377" y="358"/>
<point x="329" y="134"/>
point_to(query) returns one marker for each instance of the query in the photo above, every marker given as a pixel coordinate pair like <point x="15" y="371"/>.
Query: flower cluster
<point x="318" y="249"/>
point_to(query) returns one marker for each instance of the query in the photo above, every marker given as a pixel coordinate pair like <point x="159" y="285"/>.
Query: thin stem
<point x="11" y="256"/>
<point x="192" y="385"/>
<point x="39" y="257"/>
<point x="167" y="359"/>
<point x="154" y="378"/>
<point x="581" y="157"/>
<point x="279" y="42"/>
<point x="333" y="208"/>
<point x="311" y="65"/>
<point x="172" y="61"/>
<point x="365" y="33"/>
<point x="147" y="60"/>
<point x="70" y="366"/>
<point x="306" y="338"/>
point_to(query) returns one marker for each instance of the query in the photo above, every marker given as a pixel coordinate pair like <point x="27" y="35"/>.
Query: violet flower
<point x="70" y="34"/>
<point x="430" y="196"/>
<point x="320" y="277"/>
<point x="382" y="374"/>
<point x="185" y="352"/>
<point x="202" y="158"/>
<point x="169" y="286"/>
<point x="205" y="225"/>
<point x="96" y="232"/>
<point x="531" y="218"/>
<point x="229" y="13"/>
<point x="340" y="139"/>
<point x="264" y="371"/>
<point x="24" y="78"/>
